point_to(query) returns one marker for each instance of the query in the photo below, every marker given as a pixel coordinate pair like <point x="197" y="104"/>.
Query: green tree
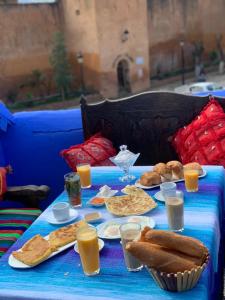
<point x="60" y="64"/>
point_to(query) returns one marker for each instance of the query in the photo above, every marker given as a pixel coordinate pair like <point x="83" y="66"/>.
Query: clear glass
<point x="130" y="232"/>
<point x="168" y="189"/>
<point x="84" y="171"/>
<point x="87" y="242"/>
<point x="73" y="188"/>
<point x="191" y="179"/>
<point x="175" y="211"/>
<point x="124" y="160"/>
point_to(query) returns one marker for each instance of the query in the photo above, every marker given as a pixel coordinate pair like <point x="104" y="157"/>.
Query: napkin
<point x="106" y="191"/>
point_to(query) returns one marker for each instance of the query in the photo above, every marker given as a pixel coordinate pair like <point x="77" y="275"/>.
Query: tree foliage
<point x="60" y="64"/>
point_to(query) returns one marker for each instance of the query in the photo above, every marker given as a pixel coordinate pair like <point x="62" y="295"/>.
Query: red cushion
<point x="95" y="151"/>
<point x="203" y="140"/>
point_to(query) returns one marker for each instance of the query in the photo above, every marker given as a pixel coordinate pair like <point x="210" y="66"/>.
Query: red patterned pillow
<point x="203" y="140"/>
<point x="96" y="151"/>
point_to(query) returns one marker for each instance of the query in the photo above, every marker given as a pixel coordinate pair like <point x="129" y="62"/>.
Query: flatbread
<point x="129" y="205"/>
<point x="65" y="235"/>
<point x="133" y="190"/>
<point x="34" y="251"/>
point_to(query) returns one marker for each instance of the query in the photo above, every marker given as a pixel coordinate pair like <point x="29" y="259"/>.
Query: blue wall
<point x="33" y="143"/>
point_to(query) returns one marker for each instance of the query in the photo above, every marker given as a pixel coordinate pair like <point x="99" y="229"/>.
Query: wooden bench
<point x="145" y="122"/>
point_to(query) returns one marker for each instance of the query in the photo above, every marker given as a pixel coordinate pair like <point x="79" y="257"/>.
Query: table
<point x="62" y="278"/>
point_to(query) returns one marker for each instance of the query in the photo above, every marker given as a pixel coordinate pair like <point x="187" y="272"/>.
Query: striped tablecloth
<point x="62" y="278"/>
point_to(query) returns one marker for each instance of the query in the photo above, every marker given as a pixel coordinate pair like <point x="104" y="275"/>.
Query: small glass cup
<point x="87" y="242"/>
<point x="175" y="211"/>
<point x="168" y="188"/>
<point x="73" y="188"/>
<point x="130" y="232"/>
<point x="191" y="179"/>
<point x="84" y="171"/>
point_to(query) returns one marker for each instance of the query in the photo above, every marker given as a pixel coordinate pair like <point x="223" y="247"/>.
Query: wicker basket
<point x="178" y="282"/>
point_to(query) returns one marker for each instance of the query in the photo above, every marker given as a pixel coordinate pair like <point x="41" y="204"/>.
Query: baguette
<point x="159" y="259"/>
<point x="174" y="241"/>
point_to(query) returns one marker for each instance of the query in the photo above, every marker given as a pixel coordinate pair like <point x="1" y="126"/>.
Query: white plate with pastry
<point x="38" y="248"/>
<point x="110" y="229"/>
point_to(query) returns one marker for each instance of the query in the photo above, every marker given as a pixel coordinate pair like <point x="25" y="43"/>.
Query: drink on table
<point x="84" y="171"/>
<point x="175" y="211"/>
<point x="130" y="232"/>
<point x="191" y="179"/>
<point x="73" y="188"/>
<point x="87" y="242"/>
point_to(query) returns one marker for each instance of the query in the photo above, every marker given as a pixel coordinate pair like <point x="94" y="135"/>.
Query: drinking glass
<point x="191" y="179"/>
<point x="130" y="232"/>
<point x="73" y="188"/>
<point x="84" y="171"/>
<point x="168" y="188"/>
<point x="175" y="211"/>
<point x="87" y="242"/>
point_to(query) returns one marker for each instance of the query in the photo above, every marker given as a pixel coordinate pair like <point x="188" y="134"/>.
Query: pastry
<point x="163" y="171"/>
<point x="129" y="204"/>
<point x="194" y="166"/>
<point x="65" y="235"/>
<point x="157" y="258"/>
<point x="34" y="251"/>
<point x="177" y="169"/>
<point x="174" y="241"/>
<point x="150" y="178"/>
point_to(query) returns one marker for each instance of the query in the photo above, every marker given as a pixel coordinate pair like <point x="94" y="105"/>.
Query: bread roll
<point x="194" y="166"/>
<point x="163" y="171"/>
<point x="177" y="169"/>
<point x="150" y="178"/>
<point x="158" y="259"/>
<point x="174" y="241"/>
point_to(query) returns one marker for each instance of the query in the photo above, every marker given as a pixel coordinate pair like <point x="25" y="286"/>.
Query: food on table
<point x="150" y="178"/>
<point x="174" y="241"/>
<point x="157" y="258"/>
<point x="129" y="205"/>
<point x="163" y="170"/>
<point x="167" y="251"/>
<point x="194" y="166"/>
<point x="97" y="201"/>
<point x="177" y="169"/>
<point x="112" y="230"/>
<point x="65" y="235"/>
<point x="92" y="217"/>
<point x="34" y="251"/>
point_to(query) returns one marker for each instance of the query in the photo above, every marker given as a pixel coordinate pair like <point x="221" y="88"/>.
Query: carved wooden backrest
<point x="145" y="122"/>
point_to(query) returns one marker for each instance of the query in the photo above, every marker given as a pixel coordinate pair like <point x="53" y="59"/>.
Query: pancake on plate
<point x="129" y="205"/>
<point x="34" y="251"/>
<point x="65" y="235"/>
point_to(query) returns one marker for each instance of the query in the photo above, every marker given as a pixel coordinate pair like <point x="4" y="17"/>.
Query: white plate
<point x="15" y="263"/>
<point x="137" y="183"/>
<point x="158" y="196"/>
<point x="95" y="205"/>
<point x="100" y="244"/>
<point x="144" y="221"/>
<point x="52" y="220"/>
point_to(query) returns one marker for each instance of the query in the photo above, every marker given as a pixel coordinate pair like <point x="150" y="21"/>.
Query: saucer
<point x="52" y="220"/>
<point x="100" y="244"/>
<point x="158" y="196"/>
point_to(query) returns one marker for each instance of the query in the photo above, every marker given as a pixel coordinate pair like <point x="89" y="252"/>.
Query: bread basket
<point x="178" y="282"/>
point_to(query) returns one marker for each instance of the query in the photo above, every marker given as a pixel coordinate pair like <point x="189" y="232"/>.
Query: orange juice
<point x="84" y="171"/>
<point x="191" y="180"/>
<point x="87" y="242"/>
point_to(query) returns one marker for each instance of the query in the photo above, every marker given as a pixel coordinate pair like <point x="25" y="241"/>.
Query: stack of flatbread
<point x="38" y="249"/>
<point x="136" y="202"/>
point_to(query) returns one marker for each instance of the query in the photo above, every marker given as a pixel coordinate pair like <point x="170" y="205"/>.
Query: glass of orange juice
<point x="191" y="179"/>
<point x="84" y="171"/>
<point x="87" y="242"/>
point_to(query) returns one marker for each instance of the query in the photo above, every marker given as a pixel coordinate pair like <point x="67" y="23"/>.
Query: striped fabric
<point x="13" y="223"/>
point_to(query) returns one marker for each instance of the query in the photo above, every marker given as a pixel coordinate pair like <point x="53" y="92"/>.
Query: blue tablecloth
<point x="62" y="277"/>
